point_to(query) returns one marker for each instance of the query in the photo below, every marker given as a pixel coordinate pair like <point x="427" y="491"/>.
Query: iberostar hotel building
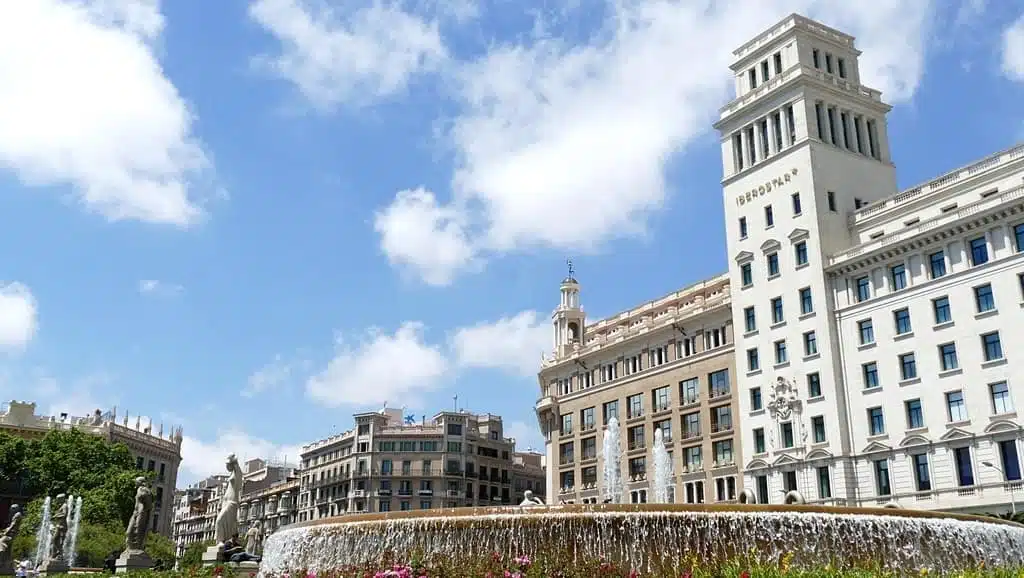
<point x="860" y="348"/>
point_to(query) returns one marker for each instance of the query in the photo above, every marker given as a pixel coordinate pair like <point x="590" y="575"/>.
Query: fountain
<point x="43" y="535"/>
<point x="662" y="482"/>
<point x="611" y="451"/>
<point x="74" y="521"/>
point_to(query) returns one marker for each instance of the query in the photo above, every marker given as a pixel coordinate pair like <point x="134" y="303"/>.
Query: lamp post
<point x="1013" y="499"/>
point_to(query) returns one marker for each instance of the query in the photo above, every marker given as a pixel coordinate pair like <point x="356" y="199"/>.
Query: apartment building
<point x="390" y="462"/>
<point x="269" y="497"/>
<point x="875" y="361"/>
<point x="666" y="364"/>
<point x="195" y="512"/>
<point x="527" y="474"/>
<point x="154" y="452"/>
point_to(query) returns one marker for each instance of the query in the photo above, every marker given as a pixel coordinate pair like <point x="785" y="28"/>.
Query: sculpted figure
<point x="7" y="536"/>
<point x="58" y="529"/>
<point x="227" y="519"/>
<point x="138" y="524"/>
<point x="254" y="539"/>
<point x="530" y="500"/>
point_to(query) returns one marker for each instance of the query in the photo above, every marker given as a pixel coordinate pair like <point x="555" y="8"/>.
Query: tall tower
<point x="569" y="318"/>
<point x="803" y="144"/>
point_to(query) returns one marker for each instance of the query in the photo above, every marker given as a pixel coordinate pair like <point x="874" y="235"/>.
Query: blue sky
<point x="255" y="218"/>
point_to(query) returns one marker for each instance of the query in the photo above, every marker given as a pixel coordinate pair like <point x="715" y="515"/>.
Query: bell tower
<point x="568" y="319"/>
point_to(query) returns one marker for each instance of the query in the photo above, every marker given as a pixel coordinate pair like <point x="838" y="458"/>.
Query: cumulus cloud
<point x="200" y="459"/>
<point x="104" y="118"/>
<point x="18" y="315"/>
<point x="1013" y="50"/>
<point x="527" y="435"/>
<point x="510" y="343"/>
<point x="276" y="374"/>
<point x="157" y="288"/>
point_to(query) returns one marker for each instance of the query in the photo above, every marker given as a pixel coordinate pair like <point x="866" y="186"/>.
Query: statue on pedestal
<point x="138" y="524"/>
<point x="58" y="529"/>
<point x="227" y="519"/>
<point x="254" y="539"/>
<point x="530" y="500"/>
<point x="7" y="537"/>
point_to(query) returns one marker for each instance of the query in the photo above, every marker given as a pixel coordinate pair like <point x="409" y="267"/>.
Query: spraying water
<point x="662" y="469"/>
<point x="611" y="449"/>
<point x="43" y="534"/>
<point x="74" y="520"/>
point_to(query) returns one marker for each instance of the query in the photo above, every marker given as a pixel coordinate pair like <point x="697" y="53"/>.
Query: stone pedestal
<point x="132" y="560"/>
<point x="6" y="568"/>
<point x="53" y="567"/>
<point x="213" y="555"/>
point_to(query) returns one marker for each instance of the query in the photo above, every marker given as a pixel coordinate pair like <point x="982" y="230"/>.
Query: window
<point x="979" y="251"/>
<point x="743" y="227"/>
<point x="756" y="404"/>
<point x="955" y="406"/>
<point x="882" y="477"/>
<point x="567" y="424"/>
<point x="1001" y="403"/>
<point x="773" y="264"/>
<point x="898" y="276"/>
<point x="750" y="319"/>
<point x="915" y="416"/>
<point x="824" y="483"/>
<point x="942" y="311"/>
<point x="611" y="409"/>
<point x="786" y="430"/>
<point x="718" y="383"/>
<point x="723" y="451"/>
<point x="752" y="75"/>
<point x="831" y="201"/>
<point x="1018" y="237"/>
<point x="796" y="204"/>
<point x="870" y="371"/>
<point x="922" y="478"/>
<point x="876" y="421"/>
<point x="737" y="150"/>
<point x="992" y="347"/>
<point x="587" y="420"/>
<point x="780" y="352"/>
<point x="753" y="363"/>
<point x="634" y="406"/>
<point x="806" y="303"/>
<point x="777" y="314"/>
<point x="902" y="319"/>
<point x="863" y="289"/>
<point x="759" y="447"/>
<point x="964" y="467"/>
<point x="842" y="67"/>
<point x="813" y="385"/>
<point x="689" y="390"/>
<point x="800" y="250"/>
<point x="1010" y="459"/>
<point x="661" y="399"/>
<point x="828" y="63"/>
<point x="983" y="298"/>
<point x="691" y="425"/>
<point x="816" y="57"/>
<point x="769" y="217"/>
<point x="908" y="366"/>
<point x="947" y="355"/>
<point x="818" y="427"/>
<point x="937" y="264"/>
<point x="777" y="61"/>
<point x="746" y="276"/>
<point x="810" y="343"/>
<point x="762" y="489"/>
<point x="866" y="331"/>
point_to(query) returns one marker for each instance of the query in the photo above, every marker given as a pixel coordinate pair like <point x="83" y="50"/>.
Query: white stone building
<point x="874" y="356"/>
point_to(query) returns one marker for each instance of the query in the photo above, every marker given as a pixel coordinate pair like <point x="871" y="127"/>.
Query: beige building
<point x="390" y="462"/>
<point x="527" y="474"/>
<point x="195" y="511"/>
<point x="666" y="364"/>
<point x="153" y="452"/>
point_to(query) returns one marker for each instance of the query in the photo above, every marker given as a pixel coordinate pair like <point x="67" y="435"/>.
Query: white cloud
<point x="511" y="343"/>
<point x="527" y="435"/>
<point x="200" y="459"/>
<point x="1013" y="50"/>
<point x="565" y="144"/>
<point x="393" y="368"/>
<point x="18" y="315"/>
<point x="273" y="375"/>
<point x="348" y="56"/>
<point x="159" y="288"/>
<point x="103" y="118"/>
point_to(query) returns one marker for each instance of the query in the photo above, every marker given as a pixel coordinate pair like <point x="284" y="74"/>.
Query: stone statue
<point x="7" y="537"/>
<point x="97" y="418"/>
<point x="227" y="519"/>
<point x="254" y="539"/>
<point x="530" y="500"/>
<point x="138" y="524"/>
<point x="58" y="529"/>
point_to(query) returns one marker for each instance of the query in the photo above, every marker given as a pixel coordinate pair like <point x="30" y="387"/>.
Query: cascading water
<point x="43" y="534"/>
<point x="74" y="520"/>
<point x="662" y="470"/>
<point x="611" y="451"/>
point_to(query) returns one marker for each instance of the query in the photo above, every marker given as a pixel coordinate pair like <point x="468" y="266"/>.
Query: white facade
<point x="811" y="207"/>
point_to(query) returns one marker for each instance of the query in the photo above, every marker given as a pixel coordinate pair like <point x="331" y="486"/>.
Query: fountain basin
<point x="656" y="539"/>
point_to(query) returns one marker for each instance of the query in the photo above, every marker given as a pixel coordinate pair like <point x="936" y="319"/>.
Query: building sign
<point x="766" y="188"/>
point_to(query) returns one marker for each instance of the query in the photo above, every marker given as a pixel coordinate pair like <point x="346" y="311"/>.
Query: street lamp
<point x="1013" y="500"/>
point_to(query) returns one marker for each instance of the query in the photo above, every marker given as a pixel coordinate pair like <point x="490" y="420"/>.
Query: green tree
<point x="161" y="549"/>
<point x="14" y="452"/>
<point x="193" y="556"/>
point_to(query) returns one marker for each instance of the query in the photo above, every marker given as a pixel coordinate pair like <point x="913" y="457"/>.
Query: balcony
<point x="453" y="494"/>
<point x="689" y="400"/>
<point x="690" y="434"/>
<point x="405" y="492"/>
<point x="658" y="408"/>
<point x="384" y="492"/>
<point x="562" y="461"/>
<point x="721" y="427"/>
<point x="637" y="445"/>
<point x="719" y="392"/>
<point x="423" y="492"/>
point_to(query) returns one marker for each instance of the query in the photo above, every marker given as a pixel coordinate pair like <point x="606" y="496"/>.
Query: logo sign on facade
<point x="766" y="188"/>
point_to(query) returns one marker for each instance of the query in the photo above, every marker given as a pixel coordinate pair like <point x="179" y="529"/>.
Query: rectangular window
<point x="915" y="416"/>
<point x="661" y="398"/>
<point x="751" y="149"/>
<point x="828" y="62"/>
<point x="756" y="403"/>
<point x="824" y="483"/>
<point x="610" y="409"/>
<point x="746" y="275"/>
<point x="797" y="209"/>
<point x="1001" y="403"/>
<point x="764" y="70"/>
<point x="908" y="366"/>
<point x="718" y="383"/>
<point x="947" y="355"/>
<point x="876" y="421"/>
<point x="992" y="347"/>
<point x="979" y="251"/>
<point x="777" y="131"/>
<point x="870" y="371"/>
<point x="773" y="264"/>
<point x="922" y="477"/>
<point x="769" y="217"/>
<point x="689" y="390"/>
<point x="752" y="76"/>
<point x="759" y="447"/>
<point x="813" y="385"/>
<point x="1011" y="460"/>
<point x="762" y="133"/>
<point x="898" y="276"/>
<point x="753" y="362"/>
<point x="818" y="427"/>
<point x="777" y="313"/>
<point x="806" y="302"/>
<point x="750" y="319"/>
<point x="737" y="151"/>
<point x="819" y="115"/>
<point x="634" y="406"/>
<point x="882" y="477"/>
<point x="942" y="310"/>
<point x="858" y="123"/>
<point x="780" y="352"/>
<point x="955" y="406"/>
<point x="786" y="430"/>
<point x="816" y="58"/>
<point x="743" y="227"/>
<point x="777" y="61"/>
<point x="901" y="317"/>
<point x="873" y="140"/>
<point x="866" y="331"/>
<point x="1018" y="237"/>
<point x="832" y="126"/>
<point x="964" y="466"/>
<point x="842" y="67"/>
<point x="831" y="201"/>
<point x="844" y="123"/>
<point x="863" y="288"/>
<point x="937" y="264"/>
<point x="810" y="343"/>
<point x="800" y="251"/>
<point x="567" y="424"/>
<point x="791" y="124"/>
<point x="983" y="298"/>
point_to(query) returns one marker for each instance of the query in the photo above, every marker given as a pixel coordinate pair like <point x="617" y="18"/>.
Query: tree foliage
<point x="193" y="556"/>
